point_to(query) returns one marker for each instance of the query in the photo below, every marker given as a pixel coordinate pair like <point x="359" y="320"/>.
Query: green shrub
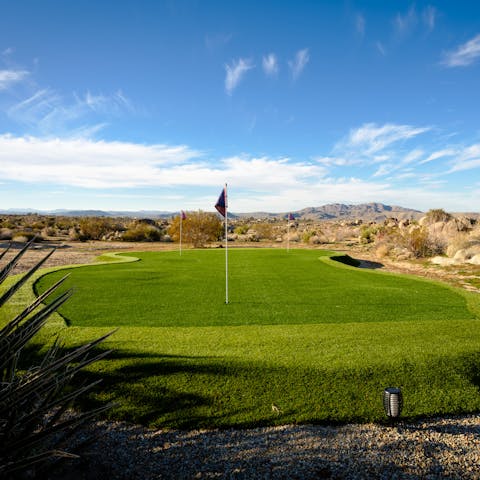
<point x="34" y="397"/>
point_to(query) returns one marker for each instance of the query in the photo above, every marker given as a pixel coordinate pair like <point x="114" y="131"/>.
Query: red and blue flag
<point x="221" y="204"/>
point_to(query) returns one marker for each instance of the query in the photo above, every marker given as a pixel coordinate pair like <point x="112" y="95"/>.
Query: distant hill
<point x="374" y="212"/>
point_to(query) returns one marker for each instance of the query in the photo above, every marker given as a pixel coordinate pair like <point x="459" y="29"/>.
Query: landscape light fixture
<point x="392" y="402"/>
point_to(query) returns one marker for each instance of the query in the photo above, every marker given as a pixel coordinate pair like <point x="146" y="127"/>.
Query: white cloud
<point x="10" y="77"/>
<point x="412" y="156"/>
<point x="447" y="152"/>
<point x="99" y="164"/>
<point x="333" y="161"/>
<point x="466" y="159"/>
<point x="298" y="64"/>
<point x="87" y="163"/>
<point x="235" y="72"/>
<point x="384" y="170"/>
<point x="270" y="64"/>
<point x="464" y="55"/>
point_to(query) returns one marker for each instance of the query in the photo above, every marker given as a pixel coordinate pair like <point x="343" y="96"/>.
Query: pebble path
<point x="429" y="449"/>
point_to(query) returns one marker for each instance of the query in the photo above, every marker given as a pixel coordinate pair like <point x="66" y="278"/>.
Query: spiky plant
<point x="34" y="422"/>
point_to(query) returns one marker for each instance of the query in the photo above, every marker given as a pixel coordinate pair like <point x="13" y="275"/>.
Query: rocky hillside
<point x="374" y="212"/>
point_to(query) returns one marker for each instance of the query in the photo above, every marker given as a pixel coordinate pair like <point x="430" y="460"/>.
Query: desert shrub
<point x="198" y="228"/>
<point x="93" y="228"/>
<point x="437" y="215"/>
<point x="265" y="231"/>
<point x="24" y="236"/>
<point x="419" y="243"/>
<point x="241" y="229"/>
<point x="383" y="250"/>
<point x="48" y="232"/>
<point x="142" y="232"/>
<point x="5" y="234"/>
<point x="307" y="236"/>
<point x="35" y="395"/>
<point x="367" y="233"/>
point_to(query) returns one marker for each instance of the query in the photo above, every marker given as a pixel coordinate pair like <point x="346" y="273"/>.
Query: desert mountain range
<point x="366" y="212"/>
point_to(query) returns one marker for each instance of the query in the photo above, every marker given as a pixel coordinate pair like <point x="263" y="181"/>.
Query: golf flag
<point x="291" y="217"/>
<point x="221" y="204"/>
<point x="183" y="215"/>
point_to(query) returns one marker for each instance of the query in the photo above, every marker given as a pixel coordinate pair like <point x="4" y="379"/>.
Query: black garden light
<point x="392" y="402"/>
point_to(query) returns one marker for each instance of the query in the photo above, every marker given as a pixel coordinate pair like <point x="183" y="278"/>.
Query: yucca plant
<point x="35" y="419"/>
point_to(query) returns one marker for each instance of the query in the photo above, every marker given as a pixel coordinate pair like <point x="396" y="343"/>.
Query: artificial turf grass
<point x="267" y="286"/>
<point x="226" y="376"/>
<point x="231" y="376"/>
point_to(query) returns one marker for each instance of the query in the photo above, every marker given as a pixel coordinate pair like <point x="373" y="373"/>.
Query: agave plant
<point x="35" y="420"/>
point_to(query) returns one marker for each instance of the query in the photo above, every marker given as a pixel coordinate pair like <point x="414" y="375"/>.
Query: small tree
<point x="93" y="228"/>
<point x="198" y="228"/>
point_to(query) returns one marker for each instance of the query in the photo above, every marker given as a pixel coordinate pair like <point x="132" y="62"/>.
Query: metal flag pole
<point x="226" y="246"/>
<point x="288" y="233"/>
<point x="181" y="221"/>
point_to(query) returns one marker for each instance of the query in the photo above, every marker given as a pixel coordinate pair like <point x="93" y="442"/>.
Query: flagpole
<point x="288" y="233"/>
<point x="226" y="245"/>
<point x="181" y="221"/>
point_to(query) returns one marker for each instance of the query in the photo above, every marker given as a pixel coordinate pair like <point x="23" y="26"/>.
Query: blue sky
<point x="129" y="105"/>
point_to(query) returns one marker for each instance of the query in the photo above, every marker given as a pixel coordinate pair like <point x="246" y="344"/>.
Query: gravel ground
<point x="429" y="449"/>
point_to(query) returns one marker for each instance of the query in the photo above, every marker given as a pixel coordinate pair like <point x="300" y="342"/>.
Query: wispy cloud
<point x="48" y="112"/>
<point x="235" y="71"/>
<point x="405" y="23"/>
<point x="270" y="64"/>
<point x="429" y="16"/>
<point x="464" y="55"/>
<point x="298" y="64"/>
<point x="370" y="138"/>
<point x="8" y="51"/>
<point x="466" y="159"/>
<point x="447" y="152"/>
<point x="360" y="24"/>
<point x="381" y="48"/>
<point x="215" y="41"/>
<point x="10" y="77"/>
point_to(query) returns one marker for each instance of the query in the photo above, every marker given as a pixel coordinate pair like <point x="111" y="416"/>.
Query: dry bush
<point x="383" y="250"/>
<point x="265" y="231"/>
<point x="5" y="234"/>
<point x="93" y="228"/>
<point x="141" y="232"/>
<point x="198" y="228"/>
<point x="437" y="215"/>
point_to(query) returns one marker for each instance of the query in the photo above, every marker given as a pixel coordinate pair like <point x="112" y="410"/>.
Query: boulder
<point x="475" y="260"/>
<point x="444" y="261"/>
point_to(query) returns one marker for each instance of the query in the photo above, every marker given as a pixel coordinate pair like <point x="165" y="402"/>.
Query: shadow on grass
<point x="188" y="392"/>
